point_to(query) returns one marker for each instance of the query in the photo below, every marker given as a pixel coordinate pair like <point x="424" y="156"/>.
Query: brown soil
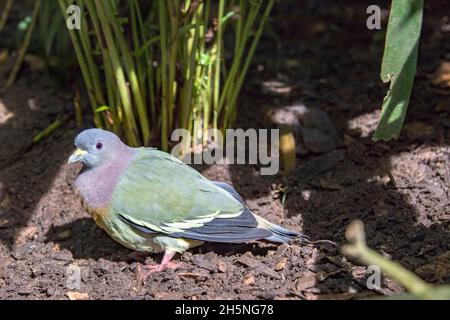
<point x="325" y="57"/>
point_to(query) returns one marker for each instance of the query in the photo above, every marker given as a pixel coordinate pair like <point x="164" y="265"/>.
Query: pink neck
<point x="96" y="185"/>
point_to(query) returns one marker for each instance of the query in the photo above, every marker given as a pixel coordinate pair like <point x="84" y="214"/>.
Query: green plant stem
<point x="174" y="44"/>
<point x="131" y="129"/>
<point x="24" y="47"/>
<point x="190" y="75"/>
<point x="89" y="58"/>
<point x="249" y="58"/>
<point x="131" y="72"/>
<point x="109" y="74"/>
<point x="5" y="14"/>
<point x="359" y="250"/>
<point x="218" y="54"/>
<point x="47" y="131"/>
<point x="148" y="57"/>
<point x="165" y="99"/>
<point x="83" y="65"/>
<point x="227" y="92"/>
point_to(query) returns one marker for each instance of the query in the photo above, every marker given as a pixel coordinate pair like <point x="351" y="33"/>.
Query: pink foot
<point x="151" y="269"/>
<point x="159" y="267"/>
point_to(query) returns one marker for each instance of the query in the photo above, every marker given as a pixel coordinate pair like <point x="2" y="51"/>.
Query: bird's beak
<point x="77" y="156"/>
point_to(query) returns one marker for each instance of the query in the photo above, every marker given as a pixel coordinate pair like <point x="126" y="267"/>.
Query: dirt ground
<point x="320" y="54"/>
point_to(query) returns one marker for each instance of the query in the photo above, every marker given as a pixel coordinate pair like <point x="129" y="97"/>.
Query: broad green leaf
<point x="399" y="65"/>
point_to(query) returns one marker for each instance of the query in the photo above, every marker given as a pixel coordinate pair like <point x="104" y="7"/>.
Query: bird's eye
<point x="99" y="145"/>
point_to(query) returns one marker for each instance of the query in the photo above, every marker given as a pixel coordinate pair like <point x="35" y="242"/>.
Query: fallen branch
<point x="418" y="288"/>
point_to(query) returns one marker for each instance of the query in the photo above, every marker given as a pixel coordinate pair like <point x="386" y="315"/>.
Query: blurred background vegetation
<point x="152" y="66"/>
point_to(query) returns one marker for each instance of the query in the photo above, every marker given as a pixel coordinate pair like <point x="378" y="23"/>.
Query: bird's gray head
<point x="96" y="147"/>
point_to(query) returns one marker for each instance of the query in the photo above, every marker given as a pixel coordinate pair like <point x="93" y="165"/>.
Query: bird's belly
<point x="134" y="239"/>
<point x="122" y="232"/>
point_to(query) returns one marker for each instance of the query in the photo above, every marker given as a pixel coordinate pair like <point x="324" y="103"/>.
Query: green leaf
<point x="102" y="108"/>
<point x="47" y="131"/>
<point x="186" y="28"/>
<point x="226" y="17"/>
<point x="399" y="65"/>
<point x="24" y="23"/>
<point x="147" y="43"/>
<point x="205" y="59"/>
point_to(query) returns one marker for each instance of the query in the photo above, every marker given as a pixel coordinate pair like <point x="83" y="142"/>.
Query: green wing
<point x="159" y="193"/>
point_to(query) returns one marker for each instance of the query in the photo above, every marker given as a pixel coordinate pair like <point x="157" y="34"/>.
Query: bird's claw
<point x="160" y="267"/>
<point x="151" y="269"/>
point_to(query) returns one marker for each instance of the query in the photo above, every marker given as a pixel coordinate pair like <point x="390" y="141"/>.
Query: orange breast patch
<point x="98" y="214"/>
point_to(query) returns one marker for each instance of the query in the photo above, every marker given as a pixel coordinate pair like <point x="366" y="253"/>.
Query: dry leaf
<point x="5" y="114"/>
<point x="198" y="274"/>
<point x="306" y="282"/>
<point x="222" y="266"/>
<point x="418" y="130"/>
<point x="64" y="234"/>
<point x="327" y="182"/>
<point x="5" y="223"/>
<point x="441" y="77"/>
<point x="276" y="88"/>
<point x="26" y="234"/>
<point x="439" y="269"/>
<point x="281" y="264"/>
<point x="258" y="267"/>
<point x="4" y="55"/>
<point x="443" y="105"/>
<point x="35" y="63"/>
<point x="74" y="295"/>
<point x="249" y="280"/>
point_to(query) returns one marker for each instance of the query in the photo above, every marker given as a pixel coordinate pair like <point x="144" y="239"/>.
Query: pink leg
<point x="165" y="263"/>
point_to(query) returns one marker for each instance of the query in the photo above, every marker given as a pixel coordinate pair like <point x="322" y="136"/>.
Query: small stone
<point x="355" y="152"/>
<point x="319" y="119"/>
<point x="62" y="256"/>
<point x="306" y="194"/>
<point x="25" y="291"/>
<point x="281" y="250"/>
<point x="285" y="116"/>
<point x="20" y="252"/>
<point x="317" y="141"/>
<point x="50" y="292"/>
